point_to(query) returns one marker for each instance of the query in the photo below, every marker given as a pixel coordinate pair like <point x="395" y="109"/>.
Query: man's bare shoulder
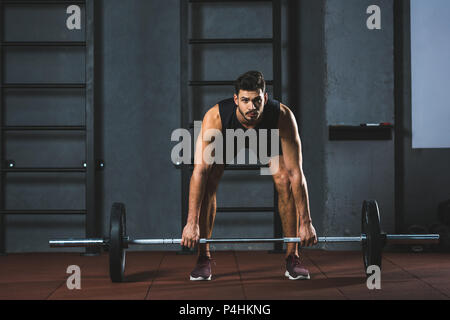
<point x="286" y="116"/>
<point x="212" y="120"/>
<point x="287" y="123"/>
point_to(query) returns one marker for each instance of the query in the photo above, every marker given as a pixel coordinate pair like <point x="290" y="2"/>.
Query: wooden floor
<point x="236" y="276"/>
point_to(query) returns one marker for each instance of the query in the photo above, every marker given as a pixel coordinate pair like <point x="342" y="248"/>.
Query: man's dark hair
<point x="250" y="81"/>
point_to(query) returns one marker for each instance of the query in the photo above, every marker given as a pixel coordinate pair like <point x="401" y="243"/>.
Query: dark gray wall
<point x="426" y="172"/>
<point x="359" y="89"/>
<point x="141" y="99"/>
<point x="334" y="71"/>
<point x="42" y="107"/>
<point x="139" y="102"/>
<point x="307" y="80"/>
<point x="344" y="76"/>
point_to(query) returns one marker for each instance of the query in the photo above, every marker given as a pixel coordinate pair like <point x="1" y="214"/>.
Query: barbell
<point x="372" y="239"/>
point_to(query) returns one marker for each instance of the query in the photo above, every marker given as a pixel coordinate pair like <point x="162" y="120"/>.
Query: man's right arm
<point x="202" y="168"/>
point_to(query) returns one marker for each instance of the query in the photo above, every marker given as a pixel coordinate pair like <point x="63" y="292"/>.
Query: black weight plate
<point x="370" y="226"/>
<point x="117" y="231"/>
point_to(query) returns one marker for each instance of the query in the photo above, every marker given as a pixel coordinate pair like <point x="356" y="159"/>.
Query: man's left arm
<point x="293" y="161"/>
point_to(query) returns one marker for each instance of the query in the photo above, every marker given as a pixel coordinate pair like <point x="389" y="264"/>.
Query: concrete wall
<point x="307" y="82"/>
<point x="359" y="89"/>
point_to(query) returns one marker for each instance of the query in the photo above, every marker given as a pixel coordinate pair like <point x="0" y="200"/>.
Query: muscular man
<point x="251" y="109"/>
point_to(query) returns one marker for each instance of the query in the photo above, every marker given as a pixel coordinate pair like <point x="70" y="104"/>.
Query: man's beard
<point x="247" y="120"/>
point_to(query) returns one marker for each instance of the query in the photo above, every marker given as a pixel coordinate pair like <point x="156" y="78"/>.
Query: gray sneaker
<point x="202" y="270"/>
<point x="295" y="270"/>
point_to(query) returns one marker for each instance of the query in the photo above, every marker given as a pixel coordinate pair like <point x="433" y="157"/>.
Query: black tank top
<point x="270" y="117"/>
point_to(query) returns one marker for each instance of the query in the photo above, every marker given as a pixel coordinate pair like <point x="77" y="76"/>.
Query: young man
<point x="251" y="109"/>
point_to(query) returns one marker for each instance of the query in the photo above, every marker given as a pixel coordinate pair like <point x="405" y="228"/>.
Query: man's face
<point x="251" y="104"/>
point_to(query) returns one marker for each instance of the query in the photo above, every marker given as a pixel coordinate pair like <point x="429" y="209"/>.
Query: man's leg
<point x="286" y="207"/>
<point x="208" y="208"/>
<point x="295" y="270"/>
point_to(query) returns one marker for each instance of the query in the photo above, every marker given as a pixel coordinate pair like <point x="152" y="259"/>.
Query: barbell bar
<point x="397" y="238"/>
<point x="371" y="239"/>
